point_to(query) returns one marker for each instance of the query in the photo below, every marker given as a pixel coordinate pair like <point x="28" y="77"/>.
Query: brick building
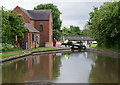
<point x="39" y="25"/>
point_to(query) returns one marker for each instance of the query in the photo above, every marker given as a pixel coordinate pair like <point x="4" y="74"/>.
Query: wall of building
<point x="33" y="44"/>
<point x="19" y="11"/>
<point x="51" y="30"/>
<point x="28" y="39"/>
<point x="24" y="40"/>
<point x="46" y="35"/>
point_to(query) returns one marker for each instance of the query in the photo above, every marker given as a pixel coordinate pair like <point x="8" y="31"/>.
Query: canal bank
<point x="37" y="52"/>
<point x="78" y="67"/>
<point x="104" y="52"/>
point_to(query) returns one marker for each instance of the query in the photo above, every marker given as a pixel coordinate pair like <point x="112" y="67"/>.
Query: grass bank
<point x="12" y="49"/>
<point x="104" y="48"/>
<point x="18" y="52"/>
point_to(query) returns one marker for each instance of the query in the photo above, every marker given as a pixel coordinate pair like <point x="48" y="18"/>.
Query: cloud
<point x="74" y="12"/>
<point x="77" y="10"/>
<point x="85" y="0"/>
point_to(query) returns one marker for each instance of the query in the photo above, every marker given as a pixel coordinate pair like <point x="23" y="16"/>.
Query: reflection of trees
<point x="105" y="70"/>
<point x="56" y="67"/>
<point x="11" y="74"/>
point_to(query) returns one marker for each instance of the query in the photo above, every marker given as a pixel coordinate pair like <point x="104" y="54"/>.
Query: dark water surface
<point x="76" y="67"/>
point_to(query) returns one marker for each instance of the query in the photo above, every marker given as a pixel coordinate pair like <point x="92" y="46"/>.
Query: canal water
<point x="70" y="67"/>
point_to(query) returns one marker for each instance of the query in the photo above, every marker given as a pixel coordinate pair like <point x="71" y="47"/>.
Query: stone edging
<point x="105" y="52"/>
<point x="34" y="53"/>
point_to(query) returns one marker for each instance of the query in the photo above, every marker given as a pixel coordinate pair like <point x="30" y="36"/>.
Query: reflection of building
<point x="39" y="68"/>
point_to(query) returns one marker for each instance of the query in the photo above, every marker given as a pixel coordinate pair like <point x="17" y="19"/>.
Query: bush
<point x="9" y="47"/>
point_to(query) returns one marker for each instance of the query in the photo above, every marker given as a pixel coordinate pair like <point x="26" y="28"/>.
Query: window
<point x="41" y="27"/>
<point x="32" y="37"/>
<point x="37" y="39"/>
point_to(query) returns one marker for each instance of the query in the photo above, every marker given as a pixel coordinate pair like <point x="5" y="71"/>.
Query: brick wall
<point x="28" y="38"/>
<point x="19" y="11"/>
<point x="33" y="44"/>
<point x="51" y="30"/>
<point x="24" y="40"/>
<point x="46" y="35"/>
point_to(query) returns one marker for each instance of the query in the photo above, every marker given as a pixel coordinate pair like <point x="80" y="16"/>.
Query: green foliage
<point x="115" y="48"/>
<point x="104" y="24"/>
<point x="66" y="31"/>
<point x="75" y="30"/>
<point x="12" y="24"/>
<point x="0" y="26"/>
<point x="86" y="32"/>
<point x="57" y="34"/>
<point x="9" y="47"/>
<point x="55" y="14"/>
<point x="10" y="54"/>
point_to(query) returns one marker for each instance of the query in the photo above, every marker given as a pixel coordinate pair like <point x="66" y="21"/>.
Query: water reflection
<point x="31" y="69"/>
<point x="104" y="70"/>
<point x="74" y="67"/>
<point x="38" y="68"/>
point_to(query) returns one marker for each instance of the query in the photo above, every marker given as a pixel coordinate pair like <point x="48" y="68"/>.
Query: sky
<point x="74" y="12"/>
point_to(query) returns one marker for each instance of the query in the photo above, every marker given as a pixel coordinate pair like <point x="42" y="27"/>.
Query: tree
<point x="66" y="31"/>
<point x="0" y="26"/>
<point x="75" y="30"/>
<point x="57" y="34"/>
<point x="12" y="24"/>
<point x="55" y="14"/>
<point x="86" y="32"/>
<point x="104" y="24"/>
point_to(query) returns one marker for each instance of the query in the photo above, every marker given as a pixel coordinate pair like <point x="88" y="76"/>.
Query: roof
<point x="37" y="14"/>
<point x="30" y="28"/>
<point x="78" y="38"/>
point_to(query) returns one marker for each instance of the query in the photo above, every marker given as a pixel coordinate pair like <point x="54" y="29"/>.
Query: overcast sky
<point x="74" y="12"/>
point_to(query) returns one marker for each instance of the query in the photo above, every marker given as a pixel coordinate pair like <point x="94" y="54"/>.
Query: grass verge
<point x="43" y="48"/>
<point x="13" y="53"/>
<point x="104" y="48"/>
<point x="10" y="54"/>
<point x="13" y="49"/>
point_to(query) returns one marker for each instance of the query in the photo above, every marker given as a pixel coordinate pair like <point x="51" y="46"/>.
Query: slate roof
<point x="37" y="14"/>
<point x="30" y="28"/>
<point x="78" y="38"/>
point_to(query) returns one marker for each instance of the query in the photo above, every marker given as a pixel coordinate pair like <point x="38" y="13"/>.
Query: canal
<point x="69" y="67"/>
